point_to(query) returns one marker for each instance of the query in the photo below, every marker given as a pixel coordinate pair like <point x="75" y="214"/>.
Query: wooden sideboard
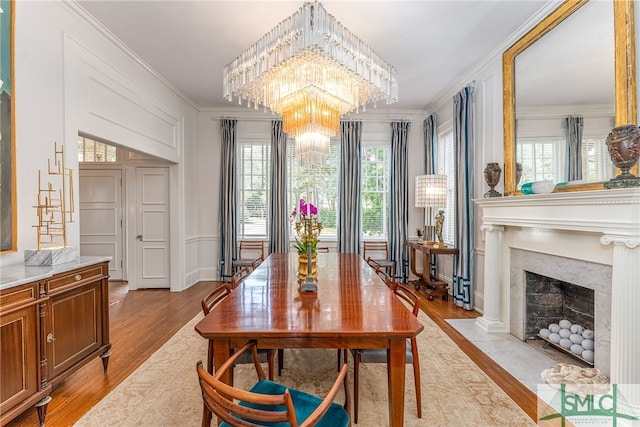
<point x="53" y="320"/>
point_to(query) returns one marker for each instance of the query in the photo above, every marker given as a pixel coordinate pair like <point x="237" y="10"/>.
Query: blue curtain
<point x="430" y="157"/>
<point x="574" y="147"/>
<point x="430" y="144"/>
<point x="399" y="198"/>
<point x="278" y="209"/>
<point x="349" y="187"/>
<point x="463" y="140"/>
<point x="228" y="198"/>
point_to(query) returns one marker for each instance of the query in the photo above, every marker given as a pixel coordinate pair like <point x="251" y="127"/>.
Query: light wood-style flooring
<point x="142" y="321"/>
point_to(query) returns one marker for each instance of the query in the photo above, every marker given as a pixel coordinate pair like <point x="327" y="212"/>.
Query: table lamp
<point x="431" y="194"/>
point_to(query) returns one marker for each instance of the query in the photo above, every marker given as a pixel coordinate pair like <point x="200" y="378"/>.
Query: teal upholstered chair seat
<point x="304" y="404"/>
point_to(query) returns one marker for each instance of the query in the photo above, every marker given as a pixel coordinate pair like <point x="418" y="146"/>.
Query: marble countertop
<point x="19" y="274"/>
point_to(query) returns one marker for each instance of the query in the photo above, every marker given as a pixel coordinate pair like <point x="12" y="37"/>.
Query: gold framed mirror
<point x="624" y="69"/>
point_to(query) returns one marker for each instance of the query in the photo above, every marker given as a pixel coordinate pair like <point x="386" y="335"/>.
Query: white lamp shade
<point x="431" y="191"/>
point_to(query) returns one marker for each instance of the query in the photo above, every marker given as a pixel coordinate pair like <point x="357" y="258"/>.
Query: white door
<point x="101" y="216"/>
<point x="152" y="236"/>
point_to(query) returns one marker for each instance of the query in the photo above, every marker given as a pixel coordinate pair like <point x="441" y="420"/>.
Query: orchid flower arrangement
<point x="305" y="211"/>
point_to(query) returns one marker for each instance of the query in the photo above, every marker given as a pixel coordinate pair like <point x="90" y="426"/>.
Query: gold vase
<point x="303" y="268"/>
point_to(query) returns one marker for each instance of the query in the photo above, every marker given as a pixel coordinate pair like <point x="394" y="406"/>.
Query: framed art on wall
<point x="8" y="217"/>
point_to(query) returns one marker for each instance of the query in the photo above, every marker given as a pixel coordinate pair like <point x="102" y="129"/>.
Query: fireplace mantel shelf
<point x="614" y="211"/>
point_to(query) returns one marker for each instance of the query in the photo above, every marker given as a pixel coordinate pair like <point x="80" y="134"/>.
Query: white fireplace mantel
<point x="615" y="211"/>
<point x="610" y="216"/>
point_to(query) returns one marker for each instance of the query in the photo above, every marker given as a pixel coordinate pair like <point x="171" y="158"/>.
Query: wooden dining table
<point x="353" y="308"/>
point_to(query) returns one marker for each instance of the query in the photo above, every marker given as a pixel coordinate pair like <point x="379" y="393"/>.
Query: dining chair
<point x="268" y="402"/>
<point x="239" y="276"/>
<point x="380" y="355"/>
<point x="379" y="252"/>
<point x="248" y="251"/>
<point x="208" y="303"/>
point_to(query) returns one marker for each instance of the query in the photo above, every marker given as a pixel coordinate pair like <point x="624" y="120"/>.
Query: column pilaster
<point x="490" y="320"/>
<point x="625" y="316"/>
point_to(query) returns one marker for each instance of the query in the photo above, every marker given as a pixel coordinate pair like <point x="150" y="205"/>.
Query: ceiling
<point x="434" y="44"/>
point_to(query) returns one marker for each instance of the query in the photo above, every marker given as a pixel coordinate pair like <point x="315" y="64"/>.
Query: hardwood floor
<point x="142" y="321"/>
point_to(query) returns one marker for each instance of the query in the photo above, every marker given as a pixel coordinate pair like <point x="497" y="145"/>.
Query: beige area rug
<point x="164" y="391"/>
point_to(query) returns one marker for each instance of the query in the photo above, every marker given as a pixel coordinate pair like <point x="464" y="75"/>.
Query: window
<point x="254" y="162"/>
<point x="91" y="151"/>
<point x="375" y="191"/>
<point x="302" y="181"/>
<point x="445" y="161"/>
<point x="596" y="163"/>
<point x="542" y="159"/>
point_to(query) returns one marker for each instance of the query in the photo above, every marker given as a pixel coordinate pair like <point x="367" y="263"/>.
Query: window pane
<point x="320" y="185"/>
<point x="596" y="163"/>
<point x="253" y="188"/>
<point x="446" y="166"/>
<point x="375" y="191"/>
<point x="95" y="152"/>
<point x="542" y="159"/>
<point x="81" y="149"/>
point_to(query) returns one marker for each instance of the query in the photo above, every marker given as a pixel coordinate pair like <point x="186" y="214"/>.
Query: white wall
<point x="71" y="77"/>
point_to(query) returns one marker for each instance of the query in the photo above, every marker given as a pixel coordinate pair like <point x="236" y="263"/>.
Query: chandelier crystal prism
<point x="311" y="70"/>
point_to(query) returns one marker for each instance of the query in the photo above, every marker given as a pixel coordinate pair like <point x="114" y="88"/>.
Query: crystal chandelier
<point x="311" y="70"/>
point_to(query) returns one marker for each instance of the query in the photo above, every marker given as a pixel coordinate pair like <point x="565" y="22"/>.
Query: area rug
<point x="164" y="390"/>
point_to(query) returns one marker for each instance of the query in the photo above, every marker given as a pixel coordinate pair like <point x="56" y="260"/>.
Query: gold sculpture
<point x="55" y="206"/>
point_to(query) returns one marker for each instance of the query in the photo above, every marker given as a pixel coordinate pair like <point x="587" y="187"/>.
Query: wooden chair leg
<point x="270" y="357"/>
<point x="340" y="359"/>
<point x="210" y="357"/>
<point x="416" y="375"/>
<point x="280" y="361"/>
<point x="356" y="384"/>
<point x="206" y="417"/>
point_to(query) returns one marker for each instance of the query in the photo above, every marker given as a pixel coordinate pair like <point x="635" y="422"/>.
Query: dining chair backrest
<point x="408" y="296"/>
<point x="251" y="249"/>
<point x="378" y="251"/>
<point x="375" y="250"/>
<point x="267" y="401"/>
<point x="255" y="263"/>
<point x="388" y="280"/>
<point x="248" y="251"/>
<point x="217" y="295"/>
<point x="239" y="276"/>
<point x="373" y="264"/>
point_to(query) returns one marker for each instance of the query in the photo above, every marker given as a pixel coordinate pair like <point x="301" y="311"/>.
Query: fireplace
<point x="550" y="300"/>
<point x="587" y="238"/>
<point x="590" y="281"/>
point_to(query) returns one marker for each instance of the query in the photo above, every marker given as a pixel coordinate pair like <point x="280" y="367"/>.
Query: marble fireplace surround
<point x="596" y="277"/>
<point x="594" y="227"/>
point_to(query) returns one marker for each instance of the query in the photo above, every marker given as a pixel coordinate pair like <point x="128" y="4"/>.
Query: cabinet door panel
<point x="18" y="346"/>
<point x="75" y="321"/>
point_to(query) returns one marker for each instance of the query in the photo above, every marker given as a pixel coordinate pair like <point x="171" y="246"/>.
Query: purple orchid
<point x="305" y="209"/>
